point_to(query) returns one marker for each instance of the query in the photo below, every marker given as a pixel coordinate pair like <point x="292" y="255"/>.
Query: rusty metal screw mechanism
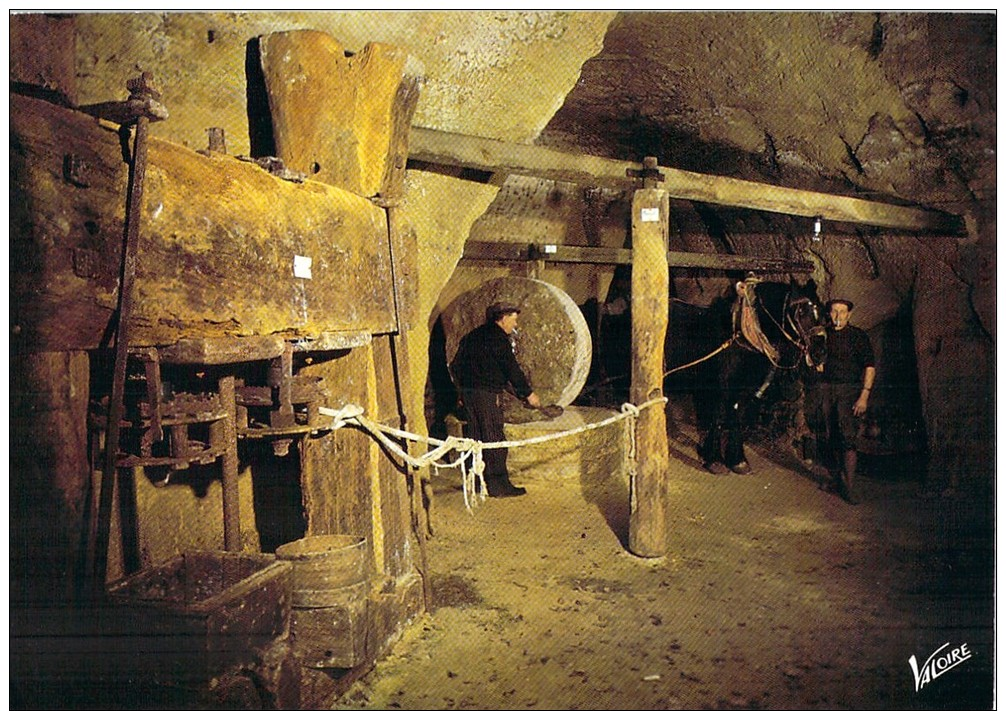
<point x="141" y="108"/>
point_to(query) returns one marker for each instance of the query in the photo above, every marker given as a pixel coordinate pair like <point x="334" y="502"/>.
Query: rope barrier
<point x="473" y="471"/>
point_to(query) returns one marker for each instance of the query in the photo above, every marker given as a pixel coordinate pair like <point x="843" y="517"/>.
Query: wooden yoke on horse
<point x="745" y="320"/>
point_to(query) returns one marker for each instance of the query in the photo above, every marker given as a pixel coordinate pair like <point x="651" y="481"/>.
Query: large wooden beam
<point x="487" y="155"/>
<point x="334" y="113"/>
<point x="346" y="120"/>
<point x="515" y="252"/>
<point x="223" y="245"/>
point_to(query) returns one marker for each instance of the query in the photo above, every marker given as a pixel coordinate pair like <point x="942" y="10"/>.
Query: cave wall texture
<point x="896" y="107"/>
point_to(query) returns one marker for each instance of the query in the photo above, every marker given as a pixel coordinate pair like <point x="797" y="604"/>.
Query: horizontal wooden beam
<point x="487" y="155"/>
<point x="514" y="252"/>
<point x="736" y="262"/>
<point x="218" y="351"/>
<point x="243" y="349"/>
<point x="226" y="250"/>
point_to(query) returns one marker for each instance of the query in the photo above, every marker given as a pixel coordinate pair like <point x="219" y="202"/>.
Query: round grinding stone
<point x="552" y="342"/>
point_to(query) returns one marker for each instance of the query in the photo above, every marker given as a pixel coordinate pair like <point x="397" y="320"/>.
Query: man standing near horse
<point x="842" y="393"/>
<point x="484" y="366"/>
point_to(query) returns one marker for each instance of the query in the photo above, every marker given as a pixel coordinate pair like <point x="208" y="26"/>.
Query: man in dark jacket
<point x="483" y="367"/>
<point x="843" y="392"/>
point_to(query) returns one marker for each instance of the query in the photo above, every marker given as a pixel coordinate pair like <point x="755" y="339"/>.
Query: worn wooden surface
<point x="340" y="467"/>
<point x="333" y="112"/>
<point x="392" y="366"/>
<point x="330" y="637"/>
<point x="647" y="516"/>
<point x="392" y="188"/>
<point x="441" y="148"/>
<point x="217" y="243"/>
<point x="405" y="266"/>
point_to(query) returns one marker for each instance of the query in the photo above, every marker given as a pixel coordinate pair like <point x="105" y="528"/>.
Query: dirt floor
<point x="774" y="593"/>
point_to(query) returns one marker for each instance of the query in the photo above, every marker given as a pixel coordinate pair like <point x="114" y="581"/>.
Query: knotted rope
<point x="472" y="449"/>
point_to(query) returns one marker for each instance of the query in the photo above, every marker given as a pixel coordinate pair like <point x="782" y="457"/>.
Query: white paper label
<point x="650" y="214"/>
<point x="301" y="266"/>
<point x="550" y="249"/>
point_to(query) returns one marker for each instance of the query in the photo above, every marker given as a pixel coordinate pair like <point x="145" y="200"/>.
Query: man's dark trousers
<point x="485" y="423"/>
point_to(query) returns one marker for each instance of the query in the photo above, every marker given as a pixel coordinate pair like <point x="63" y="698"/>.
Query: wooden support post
<point x="229" y="465"/>
<point x="648" y="493"/>
<point x="346" y="121"/>
<point x="48" y="475"/>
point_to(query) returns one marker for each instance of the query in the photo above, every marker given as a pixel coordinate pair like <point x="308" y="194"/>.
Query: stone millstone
<point x="553" y="340"/>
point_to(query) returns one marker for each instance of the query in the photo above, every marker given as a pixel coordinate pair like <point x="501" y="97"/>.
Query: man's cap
<point x="848" y="304"/>
<point x="498" y="308"/>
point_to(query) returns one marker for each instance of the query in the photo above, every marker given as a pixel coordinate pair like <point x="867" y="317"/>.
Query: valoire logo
<point x="939" y="662"/>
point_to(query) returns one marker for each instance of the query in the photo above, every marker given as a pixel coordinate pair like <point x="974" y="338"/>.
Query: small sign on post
<point x="302" y="266"/>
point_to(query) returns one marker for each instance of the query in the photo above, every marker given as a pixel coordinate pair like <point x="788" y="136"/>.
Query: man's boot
<point x="848" y="493"/>
<point x="501" y="488"/>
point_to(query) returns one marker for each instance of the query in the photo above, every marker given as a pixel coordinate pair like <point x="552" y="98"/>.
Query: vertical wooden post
<point x="648" y="492"/>
<point x="229" y="465"/>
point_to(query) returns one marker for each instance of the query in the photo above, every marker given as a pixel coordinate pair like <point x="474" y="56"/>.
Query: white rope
<point x="473" y="482"/>
<point x="629" y="435"/>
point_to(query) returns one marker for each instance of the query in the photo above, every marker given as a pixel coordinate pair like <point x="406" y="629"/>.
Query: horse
<point x="731" y="352"/>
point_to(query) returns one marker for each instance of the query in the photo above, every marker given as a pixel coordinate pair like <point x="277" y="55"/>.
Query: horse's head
<point x="807" y="322"/>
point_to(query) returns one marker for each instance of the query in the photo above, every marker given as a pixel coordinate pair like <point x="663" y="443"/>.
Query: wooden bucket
<point x="328" y="570"/>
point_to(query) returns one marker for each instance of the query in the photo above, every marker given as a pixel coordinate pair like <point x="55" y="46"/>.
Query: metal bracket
<point x="650" y="173"/>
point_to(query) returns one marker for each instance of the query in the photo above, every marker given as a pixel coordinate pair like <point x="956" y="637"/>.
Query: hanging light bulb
<point x="817" y="229"/>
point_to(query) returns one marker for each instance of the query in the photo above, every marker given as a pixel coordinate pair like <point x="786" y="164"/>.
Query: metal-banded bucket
<point x="328" y="570"/>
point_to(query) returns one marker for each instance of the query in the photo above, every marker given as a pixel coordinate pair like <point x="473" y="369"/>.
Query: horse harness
<point x="748" y="333"/>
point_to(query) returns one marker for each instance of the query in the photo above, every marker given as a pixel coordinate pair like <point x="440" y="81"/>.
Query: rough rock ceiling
<point x="887" y="106"/>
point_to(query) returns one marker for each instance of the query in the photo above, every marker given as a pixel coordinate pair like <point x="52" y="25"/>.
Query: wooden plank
<point x="496" y="251"/>
<point x="456" y="150"/>
<point x="218" y="241"/>
<point x="650" y="293"/>
<point x="244" y="349"/>
<point x="217" y="351"/>
<point x="487" y="155"/>
<point x="392" y="188"/>
<point x="511" y="251"/>
<point x="340" y="479"/>
<point x="333" y="341"/>
<point x="334" y="113"/>
<point x="736" y="262"/>
<point x="405" y="268"/>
